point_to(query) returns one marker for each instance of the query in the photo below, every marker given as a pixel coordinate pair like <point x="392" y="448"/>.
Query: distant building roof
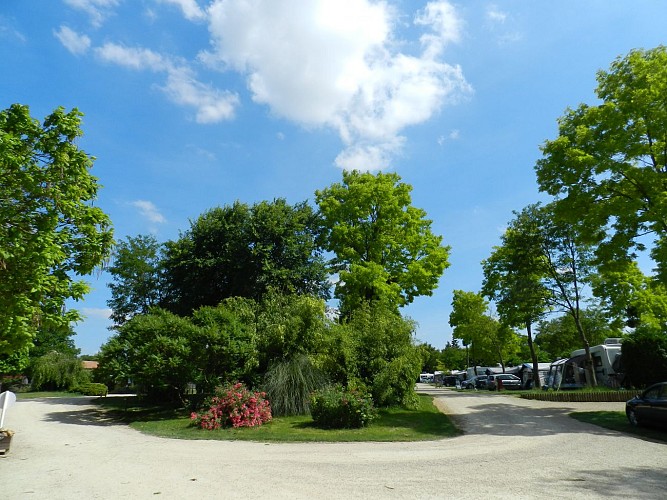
<point x="89" y="365"/>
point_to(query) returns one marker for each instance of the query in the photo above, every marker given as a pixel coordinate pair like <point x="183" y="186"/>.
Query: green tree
<point x="630" y="297"/>
<point x="558" y="337"/>
<point x="430" y="358"/>
<point x="569" y="268"/>
<point x="644" y="356"/>
<point x="384" y="247"/>
<point x="155" y="351"/>
<point x="49" y="231"/>
<point x="374" y="350"/>
<point x="57" y="371"/>
<point x="453" y="356"/>
<point x="476" y="328"/>
<point x="513" y="278"/>
<point x="243" y="251"/>
<point x="608" y="164"/>
<point x="136" y="277"/>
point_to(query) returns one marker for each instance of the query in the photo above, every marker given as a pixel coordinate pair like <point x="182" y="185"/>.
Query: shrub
<point x="92" y="389"/>
<point x="289" y="385"/>
<point x="338" y="408"/>
<point x="234" y="406"/>
<point x="644" y="356"/>
<point x="56" y="371"/>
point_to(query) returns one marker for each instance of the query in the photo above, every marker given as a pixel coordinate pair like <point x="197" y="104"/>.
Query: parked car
<point x="650" y="407"/>
<point x="503" y="380"/>
<point x="477" y="382"/>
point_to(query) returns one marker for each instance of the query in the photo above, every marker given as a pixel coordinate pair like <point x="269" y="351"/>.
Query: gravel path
<point x="512" y="448"/>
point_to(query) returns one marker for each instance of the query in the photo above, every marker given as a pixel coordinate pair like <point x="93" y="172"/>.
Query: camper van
<point x="570" y="373"/>
<point x="606" y="358"/>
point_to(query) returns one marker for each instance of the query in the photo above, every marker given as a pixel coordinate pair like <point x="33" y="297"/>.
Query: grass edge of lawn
<point x="617" y="421"/>
<point x="426" y="423"/>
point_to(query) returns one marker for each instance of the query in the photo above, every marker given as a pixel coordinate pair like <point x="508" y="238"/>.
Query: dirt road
<point x="512" y="448"/>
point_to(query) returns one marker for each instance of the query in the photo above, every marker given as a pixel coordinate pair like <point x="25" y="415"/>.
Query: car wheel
<point x="632" y="417"/>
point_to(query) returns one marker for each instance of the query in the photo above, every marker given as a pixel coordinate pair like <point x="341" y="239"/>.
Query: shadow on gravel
<point x="637" y="482"/>
<point x="507" y="419"/>
<point x="74" y="413"/>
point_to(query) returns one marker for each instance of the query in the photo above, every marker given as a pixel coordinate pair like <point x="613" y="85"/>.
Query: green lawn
<point x="47" y="394"/>
<point x="393" y="424"/>
<point x="617" y="421"/>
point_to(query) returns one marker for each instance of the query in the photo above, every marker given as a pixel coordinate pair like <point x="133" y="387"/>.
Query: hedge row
<point x="583" y="397"/>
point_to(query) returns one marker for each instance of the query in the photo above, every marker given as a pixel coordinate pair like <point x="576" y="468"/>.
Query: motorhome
<point x="606" y="359"/>
<point x="570" y="373"/>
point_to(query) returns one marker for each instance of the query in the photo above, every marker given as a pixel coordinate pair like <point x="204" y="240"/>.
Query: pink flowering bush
<point x="234" y="406"/>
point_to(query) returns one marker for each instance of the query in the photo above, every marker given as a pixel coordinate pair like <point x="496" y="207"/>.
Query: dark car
<point x="650" y="407"/>
<point x="503" y="381"/>
<point x="477" y="382"/>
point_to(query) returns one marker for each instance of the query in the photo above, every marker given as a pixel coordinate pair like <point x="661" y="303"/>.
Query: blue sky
<point x="192" y="104"/>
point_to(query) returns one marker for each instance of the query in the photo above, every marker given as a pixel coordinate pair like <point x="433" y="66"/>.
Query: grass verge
<point x="47" y="394"/>
<point x="617" y="421"/>
<point x="393" y="424"/>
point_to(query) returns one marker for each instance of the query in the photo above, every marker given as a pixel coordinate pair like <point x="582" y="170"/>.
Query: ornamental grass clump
<point x="339" y="408"/>
<point x="234" y="406"/>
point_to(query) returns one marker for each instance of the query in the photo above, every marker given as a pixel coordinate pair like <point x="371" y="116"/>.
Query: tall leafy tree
<point x="472" y="324"/>
<point x="608" y="163"/>
<point x="569" y="269"/>
<point x="513" y="278"/>
<point x="136" y="277"/>
<point x="244" y="251"/>
<point x="384" y="249"/>
<point x="558" y="336"/>
<point x="50" y="233"/>
<point x="631" y="297"/>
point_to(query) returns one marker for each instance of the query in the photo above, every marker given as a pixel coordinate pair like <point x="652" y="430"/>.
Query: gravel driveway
<point x="512" y="448"/>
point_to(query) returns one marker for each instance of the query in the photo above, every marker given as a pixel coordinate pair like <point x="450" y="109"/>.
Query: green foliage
<point x="136" y="277"/>
<point x="558" y="337"/>
<point x="288" y="385"/>
<point x="430" y="358"/>
<point x="50" y="231"/>
<point x="92" y="389"/>
<point x="481" y="333"/>
<point x="375" y="349"/>
<point x="514" y="272"/>
<point x="224" y="346"/>
<point x="607" y="164"/>
<point x="236" y="340"/>
<point x="155" y="351"/>
<point x="56" y="371"/>
<point x="337" y="408"/>
<point x="243" y="251"/>
<point x="15" y="362"/>
<point x="384" y="247"/>
<point x="632" y="298"/>
<point x="453" y="356"/>
<point x="288" y="326"/>
<point x="644" y="357"/>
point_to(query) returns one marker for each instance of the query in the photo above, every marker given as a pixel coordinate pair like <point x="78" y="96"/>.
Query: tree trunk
<point x="533" y="355"/>
<point x="591" y="379"/>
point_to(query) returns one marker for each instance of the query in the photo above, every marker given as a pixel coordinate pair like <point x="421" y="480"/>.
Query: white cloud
<point x="494" y="14"/>
<point x="96" y="312"/>
<point x="134" y="58"/>
<point x="333" y="63"/>
<point x="98" y="10"/>
<point x="454" y="135"/>
<point x="190" y="8"/>
<point x="149" y="211"/>
<point x="75" y="43"/>
<point x="212" y="105"/>
<point x="10" y="32"/>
